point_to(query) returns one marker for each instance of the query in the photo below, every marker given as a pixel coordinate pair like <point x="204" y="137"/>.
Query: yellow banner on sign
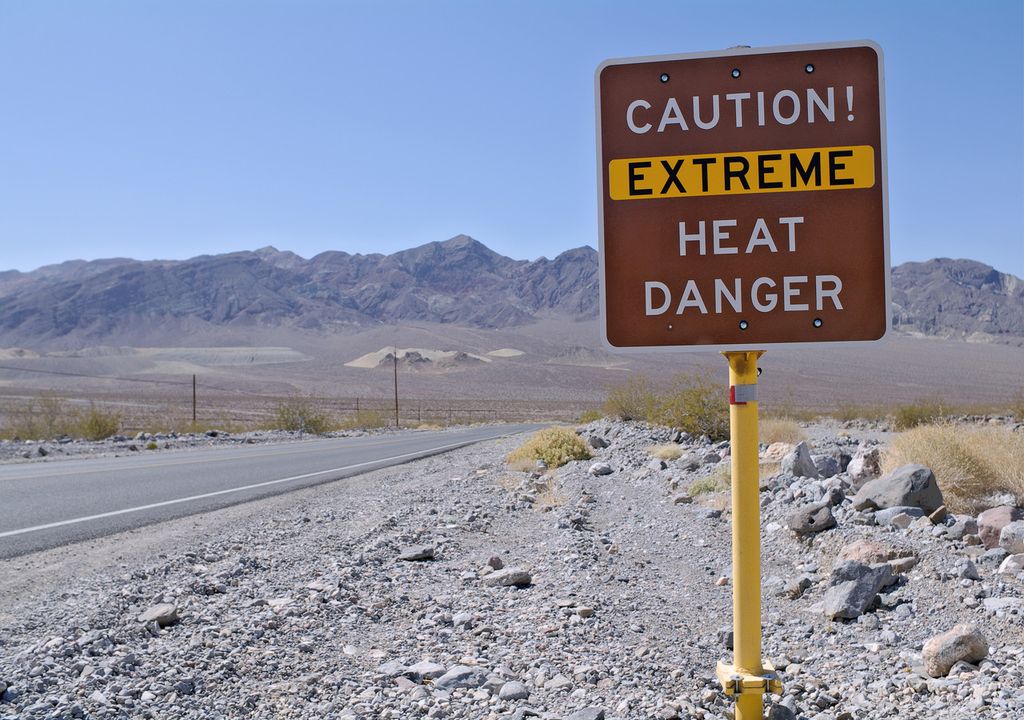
<point x="742" y="173"/>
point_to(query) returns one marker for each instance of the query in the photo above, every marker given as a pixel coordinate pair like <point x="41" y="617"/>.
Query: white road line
<point x="177" y="501"/>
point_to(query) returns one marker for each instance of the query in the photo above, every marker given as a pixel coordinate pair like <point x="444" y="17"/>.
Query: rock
<point x="912" y="485"/>
<point x="600" y="468"/>
<point x="777" y="451"/>
<point x="826" y="465"/>
<point x="811" y="519"/>
<point x="780" y="712"/>
<point x="514" y="690"/>
<point x="963" y="642"/>
<point x="867" y="552"/>
<point x="590" y="713"/>
<point x="725" y="637"/>
<point x="865" y="465"/>
<point x="597" y="442"/>
<point x="496" y="562"/>
<point x="417" y="553"/>
<point x="463" y="620"/>
<point x="163" y="614"/>
<point x="1011" y="537"/>
<point x="507" y="577"/>
<point x="900" y="518"/>
<point x="656" y="465"/>
<point x="392" y="668"/>
<point x="1012" y="565"/>
<point x="992" y="521"/>
<point x="799" y="463"/>
<point x="854" y="589"/>
<point x="939" y="515"/>
<point x="424" y="670"/>
<point x="710" y="458"/>
<point x="962" y="525"/>
<point x="461" y="676"/>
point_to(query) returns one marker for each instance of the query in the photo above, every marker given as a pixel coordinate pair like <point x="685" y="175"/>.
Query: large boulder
<point x="992" y="521"/>
<point x="799" y="463"/>
<point x="868" y="552"/>
<point x="912" y="485"/>
<point x="963" y="642"/>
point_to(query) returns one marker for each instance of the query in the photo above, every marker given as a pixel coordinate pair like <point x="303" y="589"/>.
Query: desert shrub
<point x="553" y="446"/>
<point x="697" y="404"/>
<point x="921" y="412"/>
<point x="669" y="451"/>
<point x="151" y="445"/>
<point x="846" y="412"/>
<point x="774" y="430"/>
<point x="96" y="423"/>
<point x="632" y="400"/>
<point x="590" y="415"/>
<point x="39" y="418"/>
<point x="720" y="480"/>
<point x="301" y="414"/>
<point x="971" y="465"/>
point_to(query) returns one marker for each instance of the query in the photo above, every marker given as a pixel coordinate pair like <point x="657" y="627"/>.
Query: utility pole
<point x="395" y="357"/>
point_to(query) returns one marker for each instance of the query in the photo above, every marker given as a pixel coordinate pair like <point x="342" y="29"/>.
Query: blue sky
<point x="173" y="129"/>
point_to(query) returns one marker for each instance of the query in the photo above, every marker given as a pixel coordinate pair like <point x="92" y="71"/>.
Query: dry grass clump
<point x="773" y="430"/>
<point x="553" y="446"/>
<point x="720" y="480"/>
<point x="302" y="414"/>
<point x="669" y="451"/>
<point x="971" y="465"/>
<point x="922" y="412"/>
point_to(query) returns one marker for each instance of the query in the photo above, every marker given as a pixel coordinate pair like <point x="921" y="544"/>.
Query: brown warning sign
<point x="743" y="198"/>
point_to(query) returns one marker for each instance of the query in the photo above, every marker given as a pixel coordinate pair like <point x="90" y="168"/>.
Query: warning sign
<point x="760" y="176"/>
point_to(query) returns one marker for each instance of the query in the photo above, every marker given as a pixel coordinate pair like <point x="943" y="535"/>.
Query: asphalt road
<point x="45" y="505"/>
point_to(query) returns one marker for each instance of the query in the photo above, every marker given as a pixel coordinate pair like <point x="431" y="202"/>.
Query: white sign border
<point x="740" y="52"/>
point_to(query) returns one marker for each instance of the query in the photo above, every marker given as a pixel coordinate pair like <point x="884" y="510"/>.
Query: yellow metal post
<point x="748" y="677"/>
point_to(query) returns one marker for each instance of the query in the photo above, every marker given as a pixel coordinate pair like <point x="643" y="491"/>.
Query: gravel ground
<point x="300" y="606"/>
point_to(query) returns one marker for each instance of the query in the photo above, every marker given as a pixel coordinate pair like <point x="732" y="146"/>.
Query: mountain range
<point x="458" y="282"/>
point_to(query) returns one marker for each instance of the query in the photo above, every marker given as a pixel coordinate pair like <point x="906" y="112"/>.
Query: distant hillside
<point x="459" y="281"/>
<point x="958" y="299"/>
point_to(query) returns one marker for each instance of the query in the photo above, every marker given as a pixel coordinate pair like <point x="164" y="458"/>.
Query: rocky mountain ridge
<point x="459" y="281"/>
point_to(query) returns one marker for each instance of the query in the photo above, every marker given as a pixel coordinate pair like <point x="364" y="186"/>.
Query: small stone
<point x="163" y="614"/>
<point x="514" y="690"/>
<point x="461" y="676"/>
<point x="590" y="713"/>
<point x="417" y="553"/>
<point x="496" y="562"/>
<point x="585" y="612"/>
<point x="507" y="577"/>
<point x="600" y="468"/>
<point x="424" y="670"/>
